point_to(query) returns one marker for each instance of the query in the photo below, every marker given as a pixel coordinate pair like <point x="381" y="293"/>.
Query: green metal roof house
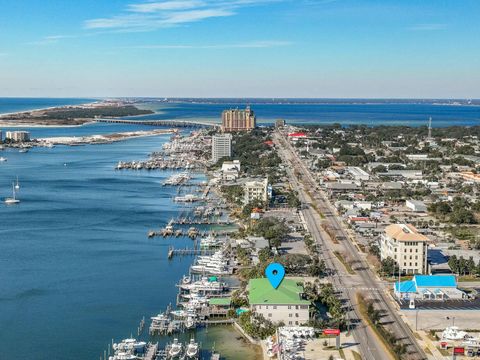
<point x="282" y="304"/>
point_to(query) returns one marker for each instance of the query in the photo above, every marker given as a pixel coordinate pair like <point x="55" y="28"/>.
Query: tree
<point x="462" y="216"/>
<point x="389" y="266"/>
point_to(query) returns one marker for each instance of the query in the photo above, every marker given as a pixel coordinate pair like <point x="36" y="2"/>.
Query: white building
<point x="221" y="146"/>
<point x="231" y="165"/>
<point x="230" y="170"/>
<point x="255" y="190"/>
<point x="18" y="136"/>
<point x="357" y="173"/>
<point x="416" y="206"/>
<point x="404" y="244"/>
<point x="282" y="304"/>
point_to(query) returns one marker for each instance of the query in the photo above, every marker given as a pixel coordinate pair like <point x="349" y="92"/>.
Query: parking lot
<point x="439" y="319"/>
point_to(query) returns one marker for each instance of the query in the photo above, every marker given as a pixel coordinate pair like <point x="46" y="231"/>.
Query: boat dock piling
<point x="172" y="252"/>
<point x="141" y="326"/>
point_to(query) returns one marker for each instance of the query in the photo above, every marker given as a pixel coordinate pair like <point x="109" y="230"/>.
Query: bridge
<point x="169" y="123"/>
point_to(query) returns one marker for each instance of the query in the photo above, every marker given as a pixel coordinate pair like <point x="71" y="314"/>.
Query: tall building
<point x="282" y="304"/>
<point x="17" y="136"/>
<point x="238" y="120"/>
<point x="404" y="244"/>
<point x="221" y="146"/>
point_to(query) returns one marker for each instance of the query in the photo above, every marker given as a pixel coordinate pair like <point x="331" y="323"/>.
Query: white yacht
<point x="13" y="200"/>
<point x="175" y="349"/>
<point x="2" y="159"/>
<point x="190" y="323"/>
<point x="192" y="350"/>
<point x="454" y="333"/>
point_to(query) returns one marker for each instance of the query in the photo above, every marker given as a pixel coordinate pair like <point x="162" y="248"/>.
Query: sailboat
<point x="13" y="200"/>
<point x="17" y="185"/>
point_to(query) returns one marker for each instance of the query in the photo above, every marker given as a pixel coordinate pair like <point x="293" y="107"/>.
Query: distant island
<point x="71" y="114"/>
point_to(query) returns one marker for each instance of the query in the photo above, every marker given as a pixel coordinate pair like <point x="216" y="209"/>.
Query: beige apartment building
<point x="404" y="244"/>
<point x="255" y="190"/>
<point x="238" y="120"/>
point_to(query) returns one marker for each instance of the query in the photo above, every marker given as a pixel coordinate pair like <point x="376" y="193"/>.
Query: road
<point x="345" y="283"/>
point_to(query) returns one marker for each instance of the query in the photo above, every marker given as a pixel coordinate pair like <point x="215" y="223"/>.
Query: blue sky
<point x="240" y="48"/>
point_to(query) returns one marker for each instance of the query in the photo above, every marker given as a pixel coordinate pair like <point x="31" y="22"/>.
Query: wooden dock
<point x="172" y="252"/>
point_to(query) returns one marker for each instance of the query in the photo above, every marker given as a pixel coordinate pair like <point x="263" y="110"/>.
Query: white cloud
<point x="51" y="39"/>
<point x="427" y="27"/>
<point x="166" y="5"/>
<point x="151" y="15"/>
<point x="252" y="44"/>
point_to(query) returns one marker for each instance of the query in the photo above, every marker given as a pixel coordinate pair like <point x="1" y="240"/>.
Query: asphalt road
<point x="345" y="283"/>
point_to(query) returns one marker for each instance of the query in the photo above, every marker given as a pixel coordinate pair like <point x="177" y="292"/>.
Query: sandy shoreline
<point x="102" y="139"/>
<point x="31" y="125"/>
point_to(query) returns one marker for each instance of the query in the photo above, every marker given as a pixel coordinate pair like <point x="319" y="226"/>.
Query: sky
<point x="240" y="48"/>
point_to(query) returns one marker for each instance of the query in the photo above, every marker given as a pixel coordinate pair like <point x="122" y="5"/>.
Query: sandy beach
<point x="102" y="139"/>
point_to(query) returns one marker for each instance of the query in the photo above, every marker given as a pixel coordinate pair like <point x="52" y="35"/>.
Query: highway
<point x="346" y="284"/>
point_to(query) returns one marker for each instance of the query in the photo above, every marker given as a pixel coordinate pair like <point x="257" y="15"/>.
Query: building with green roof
<point x="282" y="304"/>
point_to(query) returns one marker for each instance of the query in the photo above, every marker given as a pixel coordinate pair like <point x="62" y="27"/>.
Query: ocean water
<point x="77" y="268"/>
<point x="8" y="105"/>
<point x="408" y="114"/>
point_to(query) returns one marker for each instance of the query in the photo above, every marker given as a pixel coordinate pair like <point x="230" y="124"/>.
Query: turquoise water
<point x="76" y="266"/>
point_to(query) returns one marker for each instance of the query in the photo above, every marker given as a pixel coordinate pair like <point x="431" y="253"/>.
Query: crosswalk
<point x="357" y="288"/>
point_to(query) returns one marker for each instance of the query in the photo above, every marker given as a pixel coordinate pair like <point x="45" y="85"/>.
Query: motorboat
<point x="190" y="323"/>
<point x="192" y="350"/>
<point x="175" y="349"/>
<point x="2" y="159"/>
<point x="453" y="333"/>
<point x="13" y="200"/>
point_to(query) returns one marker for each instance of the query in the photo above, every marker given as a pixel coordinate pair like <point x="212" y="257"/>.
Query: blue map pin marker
<point x="275" y="273"/>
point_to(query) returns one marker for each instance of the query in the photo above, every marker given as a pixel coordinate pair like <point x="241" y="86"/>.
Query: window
<point x="274" y="307"/>
<point x="296" y="307"/>
<point x="289" y="323"/>
<point x="296" y="322"/>
<point x="266" y="307"/>
<point x="296" y="314"/>
<point x="270" y="315"/>
<point x="289" y="307"/>
<point x="290" y="315"/>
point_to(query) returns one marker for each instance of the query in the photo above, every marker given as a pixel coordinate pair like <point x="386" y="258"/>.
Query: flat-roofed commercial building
<point x="429" y="287"/>
<point x="238" y="120"/>
<point x="404" y="244"/>
<point x="221" y="146"/>
<point x="284" y="304"/>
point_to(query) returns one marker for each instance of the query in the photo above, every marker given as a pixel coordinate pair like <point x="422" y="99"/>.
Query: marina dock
<point x="176" y="252"/>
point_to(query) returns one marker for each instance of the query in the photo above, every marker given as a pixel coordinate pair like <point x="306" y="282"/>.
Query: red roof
<point x="297" y="135"/>
<point x="269" y="142"/>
